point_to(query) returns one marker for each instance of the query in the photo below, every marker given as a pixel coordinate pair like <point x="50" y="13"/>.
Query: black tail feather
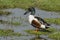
<point x="47" y="27"/>
<point x="48" y="24"/>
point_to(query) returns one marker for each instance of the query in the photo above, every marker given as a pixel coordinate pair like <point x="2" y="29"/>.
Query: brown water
<point x="17" y="15"/>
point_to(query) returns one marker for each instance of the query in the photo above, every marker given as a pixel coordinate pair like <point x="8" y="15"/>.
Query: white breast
<point x="31" y="17"/>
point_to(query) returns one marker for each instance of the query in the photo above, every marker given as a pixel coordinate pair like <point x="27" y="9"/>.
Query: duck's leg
<point x="37" y="29"/>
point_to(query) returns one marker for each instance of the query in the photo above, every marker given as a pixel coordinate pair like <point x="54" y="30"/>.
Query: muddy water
<point x="17" y="15"/>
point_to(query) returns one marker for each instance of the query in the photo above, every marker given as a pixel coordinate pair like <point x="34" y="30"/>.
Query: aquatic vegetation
<point x="4" y="13"/>
<point x="10" y="22"/>
<point x="8" y="32"/>
<point x="55" y="36"/>
<point x="47" y="31"/>
<point x="53" y="20"/>
<point x="3" y="22"/>
<point x="15" y="23"/>
<point x="52" y="5"/>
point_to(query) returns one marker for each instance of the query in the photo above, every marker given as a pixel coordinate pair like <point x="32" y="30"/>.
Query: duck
<point x="36" y="21"/>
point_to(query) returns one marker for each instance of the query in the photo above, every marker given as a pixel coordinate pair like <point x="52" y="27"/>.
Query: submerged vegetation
<point x="10" y="22"/>
<point x="15" y="23"/>
<point x="55" y="36"/>
<point x="8" y="32"/>
<point x="50" y="30"/>
<point x="53" y="20"/>
<point x="53" y="5"/>
<point x="4" y="13"/>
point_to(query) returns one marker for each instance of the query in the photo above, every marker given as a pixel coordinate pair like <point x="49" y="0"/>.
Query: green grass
<point x="55" y="36"/>
<point x="8" y="32"/>
<point x="4" y="13"/>
<point x="52" y="5"/>
<point x="53" y="20"/>
<point x="16" y="3"/>
<point x="48" y="31"/>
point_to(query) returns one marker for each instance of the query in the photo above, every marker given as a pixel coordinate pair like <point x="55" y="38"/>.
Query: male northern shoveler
<point x="35" y="21"/>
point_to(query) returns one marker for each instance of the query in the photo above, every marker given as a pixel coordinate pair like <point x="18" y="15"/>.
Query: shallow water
<point x="17" y="15"/>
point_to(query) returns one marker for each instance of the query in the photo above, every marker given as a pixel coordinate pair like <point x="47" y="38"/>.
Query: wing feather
<point x="42" y="20"/>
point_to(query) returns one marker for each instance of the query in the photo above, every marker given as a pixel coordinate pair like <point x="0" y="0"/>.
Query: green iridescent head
<point x="31" y="9"/>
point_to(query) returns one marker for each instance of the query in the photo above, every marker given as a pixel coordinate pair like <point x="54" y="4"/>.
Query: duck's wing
<point x="42" y="20"/>
<point x="35" y="24"/>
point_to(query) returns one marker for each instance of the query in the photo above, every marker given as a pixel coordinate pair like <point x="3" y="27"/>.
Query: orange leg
<point x="36" y="30"/>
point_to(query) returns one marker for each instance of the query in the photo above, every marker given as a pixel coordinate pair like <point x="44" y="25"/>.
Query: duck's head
<point x="31" y="9"/>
